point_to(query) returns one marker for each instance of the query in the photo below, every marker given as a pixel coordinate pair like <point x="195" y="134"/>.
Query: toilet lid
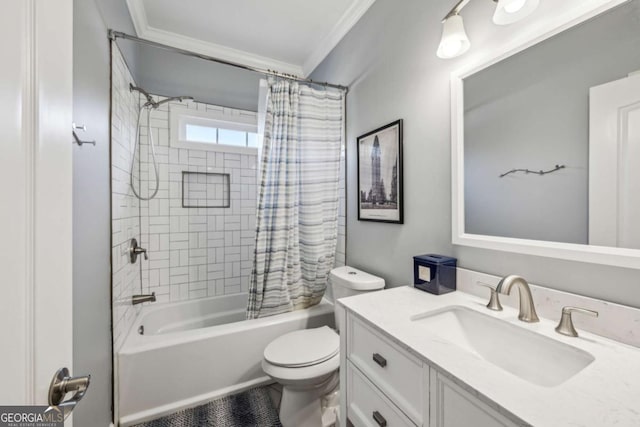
<point x="303" y="348"/>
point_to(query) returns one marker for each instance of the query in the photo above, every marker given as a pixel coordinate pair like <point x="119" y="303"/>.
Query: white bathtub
<point x="190" y="354"/>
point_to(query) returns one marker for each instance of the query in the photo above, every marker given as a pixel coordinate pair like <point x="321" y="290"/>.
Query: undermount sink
<point x="528" y="355"/>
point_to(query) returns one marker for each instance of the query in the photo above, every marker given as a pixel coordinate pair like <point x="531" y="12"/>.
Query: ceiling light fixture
<point x="454" y="41"/>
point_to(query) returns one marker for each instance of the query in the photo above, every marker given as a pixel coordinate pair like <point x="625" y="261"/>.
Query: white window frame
<point x="180" y="117"/>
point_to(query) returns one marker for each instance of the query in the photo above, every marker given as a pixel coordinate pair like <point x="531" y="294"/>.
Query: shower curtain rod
<point x="113" y="35"/>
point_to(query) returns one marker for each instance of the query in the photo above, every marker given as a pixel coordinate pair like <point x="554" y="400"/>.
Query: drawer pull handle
<point x="379" y="360"/>
<point x="377" y="416"/>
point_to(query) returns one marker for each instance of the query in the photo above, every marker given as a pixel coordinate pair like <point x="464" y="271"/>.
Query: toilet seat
<point x="288" y="376"/>
<point x="303" y="355"/>
<point x="303" y="348"/>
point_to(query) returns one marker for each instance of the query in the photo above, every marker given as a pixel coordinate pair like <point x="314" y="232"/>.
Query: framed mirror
<point x="546" y="143"/>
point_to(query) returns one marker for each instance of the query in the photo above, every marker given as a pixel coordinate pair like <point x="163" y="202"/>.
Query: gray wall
<point x="388" y="60"/>
<point x="91" y="209"/>
<point x="532" y="111"/>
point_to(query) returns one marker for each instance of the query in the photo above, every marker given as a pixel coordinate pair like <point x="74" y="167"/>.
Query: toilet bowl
<point x="306" y="362"/>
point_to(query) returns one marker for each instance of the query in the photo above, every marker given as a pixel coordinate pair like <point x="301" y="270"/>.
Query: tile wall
<point x="125" y="208"/>
<point x="195" y="252"/>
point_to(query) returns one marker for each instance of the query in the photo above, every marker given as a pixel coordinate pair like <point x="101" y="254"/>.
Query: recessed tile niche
<point x="205" y="190"/>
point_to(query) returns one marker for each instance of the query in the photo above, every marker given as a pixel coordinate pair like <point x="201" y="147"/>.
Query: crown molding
<point x="218" y="51"/>
<point x="138" y="16"/>
<point x="331" y="40"/>
<point x="342" y="27"/>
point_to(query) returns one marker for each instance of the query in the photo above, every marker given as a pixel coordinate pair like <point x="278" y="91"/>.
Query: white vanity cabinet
<point x="456" y="407"/>
<point x="386" y="385"/>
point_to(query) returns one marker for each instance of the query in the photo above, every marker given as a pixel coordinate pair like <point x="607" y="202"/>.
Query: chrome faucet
<point x="139" y="299"/>
<point x="527" y="309"/>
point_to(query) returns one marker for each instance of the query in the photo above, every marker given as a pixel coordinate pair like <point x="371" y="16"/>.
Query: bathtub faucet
<point x="139" y="299"/>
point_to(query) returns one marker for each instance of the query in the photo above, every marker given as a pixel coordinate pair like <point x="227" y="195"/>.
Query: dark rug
<point x="252" y="408"/>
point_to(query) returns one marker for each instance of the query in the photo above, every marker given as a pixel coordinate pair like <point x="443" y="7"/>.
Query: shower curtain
<point x="297" y="218"/>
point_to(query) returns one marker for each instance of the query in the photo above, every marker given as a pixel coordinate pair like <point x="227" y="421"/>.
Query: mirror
<point x="546" y="145"/>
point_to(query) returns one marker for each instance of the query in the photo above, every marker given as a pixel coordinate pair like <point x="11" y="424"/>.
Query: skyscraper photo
<point x="378" y="173"/>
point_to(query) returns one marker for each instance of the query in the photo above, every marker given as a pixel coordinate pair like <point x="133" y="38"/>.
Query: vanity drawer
<point x="398" y="374"/>
<point x="368" y="407"/>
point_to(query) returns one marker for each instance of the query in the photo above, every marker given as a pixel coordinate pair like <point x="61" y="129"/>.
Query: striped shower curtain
<point x="297" y="218"/>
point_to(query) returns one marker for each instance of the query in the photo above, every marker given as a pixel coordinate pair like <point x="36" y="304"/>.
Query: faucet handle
<point x="565" y="326"/>
<point x="142" y="251"/>
<point x="494" y="300"/>
<point x="135" y="250"/>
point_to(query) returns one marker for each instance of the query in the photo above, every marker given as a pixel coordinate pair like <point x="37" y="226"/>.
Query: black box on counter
<point x="435" y="274"/>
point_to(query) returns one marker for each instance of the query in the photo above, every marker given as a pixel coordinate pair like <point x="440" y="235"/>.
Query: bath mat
<point x="252" y="408"/>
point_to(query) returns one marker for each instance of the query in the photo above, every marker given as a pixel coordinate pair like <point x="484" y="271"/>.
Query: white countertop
<point x="606" y="393"/>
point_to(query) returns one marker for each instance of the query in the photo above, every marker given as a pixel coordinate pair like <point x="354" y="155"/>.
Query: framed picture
<point x="380" y="174"/>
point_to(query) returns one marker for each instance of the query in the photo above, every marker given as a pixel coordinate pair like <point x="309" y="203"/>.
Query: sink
<point x="528" y="355"/>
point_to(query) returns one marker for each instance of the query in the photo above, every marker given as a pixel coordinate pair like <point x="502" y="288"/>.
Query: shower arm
<point x="173" y="98"/>
<point x="155" y="104"/>
<point x="147" y="95"/>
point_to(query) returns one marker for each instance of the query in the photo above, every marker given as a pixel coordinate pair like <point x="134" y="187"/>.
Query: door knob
<point x="61" y="384"/>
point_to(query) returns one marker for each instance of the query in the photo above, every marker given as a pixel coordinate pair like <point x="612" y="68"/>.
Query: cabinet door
<point x="455" y="407"/>
<point x="368" y="406"/>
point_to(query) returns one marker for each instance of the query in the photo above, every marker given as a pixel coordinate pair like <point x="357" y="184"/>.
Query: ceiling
<point x="289" y="36"/>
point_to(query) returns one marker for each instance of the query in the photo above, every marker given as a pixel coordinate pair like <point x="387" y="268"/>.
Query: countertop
<point x="606" y="393"/>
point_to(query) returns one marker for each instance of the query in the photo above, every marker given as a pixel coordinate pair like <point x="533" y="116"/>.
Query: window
<point x="199" y="133"/>
<point x="222" y="129"/>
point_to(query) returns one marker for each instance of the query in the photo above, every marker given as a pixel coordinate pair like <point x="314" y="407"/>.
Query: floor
<point x="251" y="408"/>
<point x="275" y="393"/>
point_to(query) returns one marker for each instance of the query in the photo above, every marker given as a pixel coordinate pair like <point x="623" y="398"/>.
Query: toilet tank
<point x="348" y="281"/>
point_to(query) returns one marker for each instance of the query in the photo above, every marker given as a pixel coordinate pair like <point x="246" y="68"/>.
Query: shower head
<point x="173" y="98"/>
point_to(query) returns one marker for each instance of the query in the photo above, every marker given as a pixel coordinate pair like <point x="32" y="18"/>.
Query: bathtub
<point x="195" y="351"/>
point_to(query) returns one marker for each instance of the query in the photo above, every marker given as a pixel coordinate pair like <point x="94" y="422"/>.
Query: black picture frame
<point x="380" y="156"/>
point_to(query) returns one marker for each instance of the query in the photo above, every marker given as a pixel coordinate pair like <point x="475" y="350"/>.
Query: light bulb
<point x="514" y="6"/>
<point x="510" y="11"/>
<point x="451" y="48"/>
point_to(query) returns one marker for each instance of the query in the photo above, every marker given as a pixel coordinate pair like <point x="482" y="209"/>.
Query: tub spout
<point x="139" y="299"/>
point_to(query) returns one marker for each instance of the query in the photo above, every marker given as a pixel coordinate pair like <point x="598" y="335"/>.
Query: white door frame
<point x="36" y="189"/>
<point x="612" y="159"/>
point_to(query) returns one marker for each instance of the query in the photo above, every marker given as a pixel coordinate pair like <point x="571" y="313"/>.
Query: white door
<point x="35" y="183"/>
<point x="614" y="163"/>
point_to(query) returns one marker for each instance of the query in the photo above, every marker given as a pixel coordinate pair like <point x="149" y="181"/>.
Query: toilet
<point x="306" y="362"/>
